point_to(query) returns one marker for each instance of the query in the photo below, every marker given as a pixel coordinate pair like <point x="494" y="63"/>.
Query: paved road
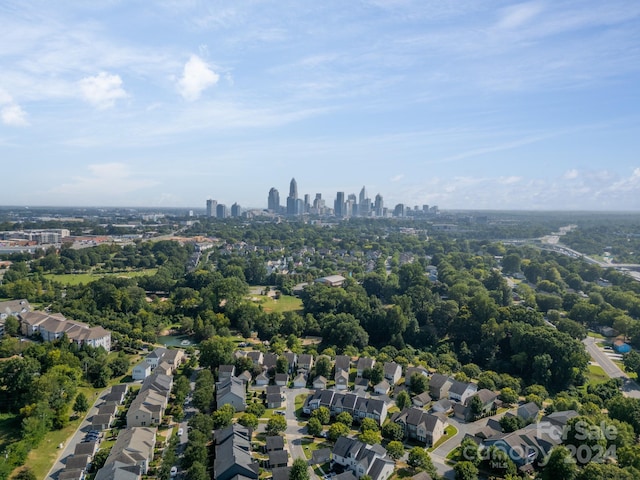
<point x="295" y="432"/>
<point x="77" y="437"/>
<point x="439" y="455"/>
<point x="629" y="387"/>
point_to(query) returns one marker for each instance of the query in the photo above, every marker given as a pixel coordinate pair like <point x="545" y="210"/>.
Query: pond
<point x="176" y="340"/>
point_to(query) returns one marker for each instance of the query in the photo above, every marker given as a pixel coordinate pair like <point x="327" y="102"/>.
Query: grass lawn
<point x="449" y="432"/>
<point x="286" y="303"/>
<point x="42" y="458"/>
<point x="595" y="335"/>
<point x="10" y="429"/>
<point x="299" y="403"/>
<point x="596" y="374"/>
<point x="78" y="278"/>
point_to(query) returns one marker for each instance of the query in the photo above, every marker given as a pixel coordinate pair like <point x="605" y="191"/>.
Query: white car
<point x="174" y="471"/>
<point x="180" y="432"/>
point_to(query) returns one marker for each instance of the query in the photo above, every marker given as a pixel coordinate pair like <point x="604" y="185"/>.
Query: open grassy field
<point x="596" y="374"/>
<point x="285" y="303"/>
<point x="78" y="278"/>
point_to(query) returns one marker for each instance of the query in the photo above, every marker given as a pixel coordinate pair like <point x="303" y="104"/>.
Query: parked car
<point x="180" y="432"/>
<point x="174" y="471"/>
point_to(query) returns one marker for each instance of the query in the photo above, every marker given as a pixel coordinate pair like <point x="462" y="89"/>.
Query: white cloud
<point x="397" y="178"/>
<point x="14" y="116"/>
<point x="196" y="77"/>
<point x="517" y="15"/>
<point x="11" y="113"/>
<point x="102" y="90"/>
<point x="106" y="179"/>
<point x="571" y="174"/>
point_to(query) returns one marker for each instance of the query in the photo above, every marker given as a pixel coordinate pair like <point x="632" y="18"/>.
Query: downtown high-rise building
<point x="236" y="210"/>
<point x="379" y="206"/>
<point x="339" y="205"/>
<point x="211" y="208"/>
<point x="273" y="203"/>
<point x="222" y="211"/>
<point x="292" y="199"/>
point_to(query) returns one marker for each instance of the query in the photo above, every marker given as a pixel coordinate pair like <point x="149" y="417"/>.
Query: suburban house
<point x="226" y="371"/>
<point x="337" y="402"/>
<point x="256" y="357"/>
<point x="160" y="354"/>
<point x="528" y="411"/>
<point x="300" y="381"/>
<point x="364" y="363"/>
<point x="231" y="392"/>
<point x="421" y="400"/>
<point x="342" y="380"/>
<point x="460" y="391"/>
<point x="132" y="452"/>
<point x="420" y="425"/>
<point x="343" y="362"/>
<point x="245" y="377"/>
<point x="12" y="308"/>
<point x="262" y="380"/>
<point x="147" y="409"/>
<point x="442" y="406"/>
<point x="360" y="385"/>
<point x="292" y="360"/>
<point x="274" y="400"/>
<point x="392" y="372"/>
<point x="382" y="388"/>
<point x="412" y="371"/>
<point x="439" y="386"/>
<point x="269" y="361"/>
<point x="489" y="401"/>
<point x="101" y="421"/>
<point x="320" y="383"/>
<point x="233" y="458"/>
<point x="305" y="362"/>
<point x="274" y="442"/>
<point x="277" y="458"/>
<point x="281" y="379"/>
<point x="534" y="441"/>
<point x="141" y="371"/>
<point x="363" y="459"/>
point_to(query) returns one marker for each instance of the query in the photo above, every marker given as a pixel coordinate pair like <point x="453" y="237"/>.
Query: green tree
<point x="395" y="449"/>
<point x="314" y="427"/>
<point x="248" y="420"/>
<point x="403" y="400"/>
<point x="299" y="470"/>
<point x="322" y="414"/>
<point x="346" y="418"/>
<point x="323" y="366"/>
<point x="419" y="459"/>
<point x="372" y="437"/>
<point x="276" y="425"/>
<point x="223" y="416"/>
<point x="198" y="471"/>
<point x="419" y="383"/>
<point x="256" y="409"/>
<point x="81" y="404"/>
<point x="465" y="471"/>
<point x="369" y="424"/>
<point x="337" y="430"/>
<point x="392" y="431"/>
<point x="25" y="474"/>
<point x="559" y="465"/>
<point x="509" y="396"/>
<point x="216" y="351"/>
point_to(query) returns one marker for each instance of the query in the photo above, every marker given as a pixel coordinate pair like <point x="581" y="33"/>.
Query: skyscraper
<point x="292" y="198"/>
<point x="221" y="211"/>
<point x="211" y="208"/>
<point x="338" y="206"/>
<point x="235" y="210"/>
<point x="273" y="203"/>
<point x="379" y="206"/>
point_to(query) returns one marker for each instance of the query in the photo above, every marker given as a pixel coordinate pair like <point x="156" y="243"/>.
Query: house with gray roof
<point x="460" y="391"/>
<point x="419" y="425"/>
<point x="363" y="459"/>
<point x="231" y="392"/>
<point x="342" y="380"/>
<point x="364" y="363"/>
<point x="233" y="458"/>
<point x="392" y="372"/>
<point x="439" y="386"/>
<point x="343" y="362"/>
<point x="130" y="455"/>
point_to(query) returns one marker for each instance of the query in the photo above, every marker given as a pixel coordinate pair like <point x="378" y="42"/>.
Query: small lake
<point x="176" y="340"/>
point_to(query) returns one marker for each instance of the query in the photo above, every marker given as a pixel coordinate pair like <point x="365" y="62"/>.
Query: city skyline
<point x="483" y="105"/>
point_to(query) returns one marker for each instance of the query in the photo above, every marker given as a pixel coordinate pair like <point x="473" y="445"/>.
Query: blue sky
<point x="464" y="104"/>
